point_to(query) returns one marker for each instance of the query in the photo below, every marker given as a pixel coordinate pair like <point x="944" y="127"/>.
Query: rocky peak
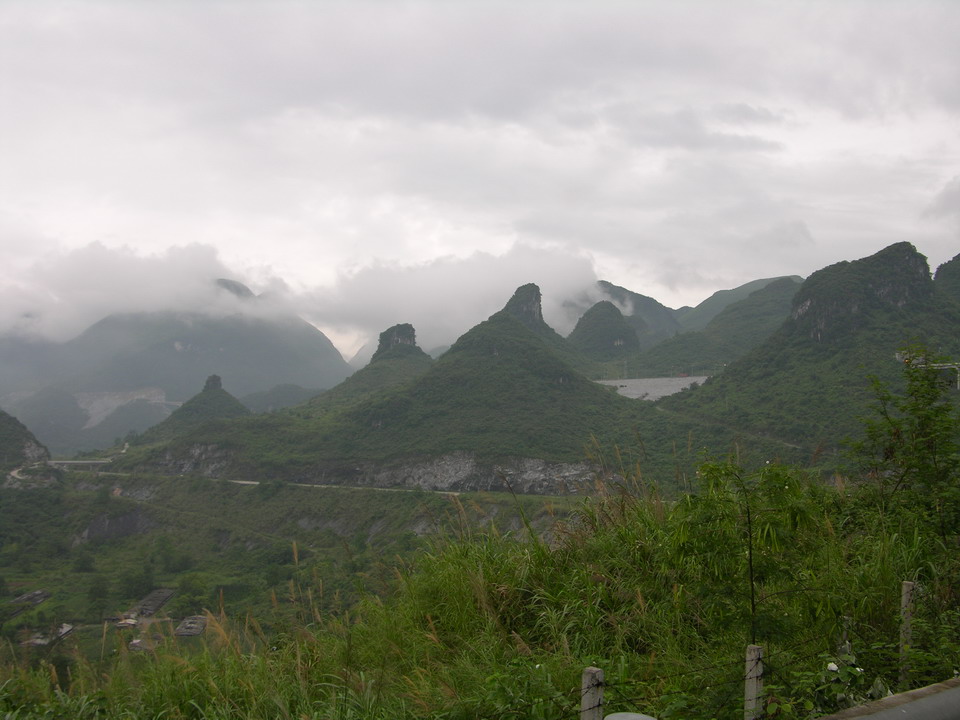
<point x="402" y="334"/>
<point x="235" y="288"/>
<point x="525" y="306"/>
<point x="213" y="383"/>
<point x="837" y="299"/>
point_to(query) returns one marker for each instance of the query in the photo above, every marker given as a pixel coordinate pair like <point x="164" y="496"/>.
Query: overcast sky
<point x="384" y="162"/>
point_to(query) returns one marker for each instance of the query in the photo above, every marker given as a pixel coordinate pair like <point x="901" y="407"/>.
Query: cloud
<point x="745" y="114"/>
<point x="444" y="298"/>
<point x="947" y="202"/>
<point x="682" y="128"/>
<point x="312" y="141"/>
<point x="64" y="293"/>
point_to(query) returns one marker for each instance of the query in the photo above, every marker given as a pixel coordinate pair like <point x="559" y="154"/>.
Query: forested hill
<point x="505" y="394"/>
<point x="397" y="361"/>
<point x="504" y="389"/>
<point x="18" y="446"/>
<point x="730" y="334"/>
<point x="810" y="381"/>
<point x="210" y="405"/>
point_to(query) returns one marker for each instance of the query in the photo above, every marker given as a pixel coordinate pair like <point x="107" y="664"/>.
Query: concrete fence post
<point x="753" y="683"/>
<point x="591" y="694"/>
<point x="906" y="632"/>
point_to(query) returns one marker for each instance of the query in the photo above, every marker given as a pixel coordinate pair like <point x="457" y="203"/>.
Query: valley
<point x="499" y="506"/>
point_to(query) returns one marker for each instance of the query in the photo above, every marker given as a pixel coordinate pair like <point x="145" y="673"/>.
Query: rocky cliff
<point x="454" y="472"/>
<point x="403" y="334"/>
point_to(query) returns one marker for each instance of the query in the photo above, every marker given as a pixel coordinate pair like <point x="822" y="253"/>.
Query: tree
<point x="910" y="448"/>
<point x="193" y="594"/>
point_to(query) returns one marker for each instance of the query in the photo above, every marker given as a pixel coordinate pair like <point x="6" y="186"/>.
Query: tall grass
<point x="662" y="595"/>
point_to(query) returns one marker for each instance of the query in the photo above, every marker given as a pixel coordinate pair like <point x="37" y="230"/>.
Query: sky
<point x="381" y="162"/>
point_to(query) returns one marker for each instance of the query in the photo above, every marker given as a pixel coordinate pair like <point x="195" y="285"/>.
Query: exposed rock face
<point x="402" y="334"/>
<point x="104" y="527"/>
<point x="34" y="452"/>
<point x="838" y="299"/>
<point x="456" y="472"/>
<point x="525" y="306"/>
<point x="99" y="405"/>
<point x="18" y="446"/>
<point x="208" y="460"/>
<point x="460" y="472"/>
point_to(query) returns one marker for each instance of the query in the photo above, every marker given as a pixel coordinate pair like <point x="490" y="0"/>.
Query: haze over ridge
<point x="673" y="149"/>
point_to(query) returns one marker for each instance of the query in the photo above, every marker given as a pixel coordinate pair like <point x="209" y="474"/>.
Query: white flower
<point x="832" y="667"/>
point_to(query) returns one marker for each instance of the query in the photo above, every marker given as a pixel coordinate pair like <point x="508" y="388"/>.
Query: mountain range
<point x="129" y="371"/>
<point x="512" y="403"/>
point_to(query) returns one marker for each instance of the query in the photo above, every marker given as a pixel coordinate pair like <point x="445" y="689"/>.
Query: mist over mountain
<point x="506" y="404"/>
<point x="143" y="364"/>
<point x="61" y="298"/>
<point x="128" y="371"/>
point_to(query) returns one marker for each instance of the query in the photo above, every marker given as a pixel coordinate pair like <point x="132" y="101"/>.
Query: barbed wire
<point x="565" y="700"/>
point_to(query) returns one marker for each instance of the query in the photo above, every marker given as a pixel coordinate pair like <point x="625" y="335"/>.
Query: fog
<point x="61" y="296"/>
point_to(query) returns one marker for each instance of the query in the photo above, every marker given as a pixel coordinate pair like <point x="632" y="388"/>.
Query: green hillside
<point x="736" y="329"/>
<point x="652" y="321"/>
<point x="808" y="384"/>
<point x="278" y="397"/>
<point x="397" y="361"/>
<point x="502" y="391"/>
<point x="603" y="334"/>
<point x="125" y="532"/>
<point x="661" y="596"/>
<point x="341" y="602"/>
<point x="211" y="405"/>
<point x="697" y="318"/>
<point x="499" y="392"/>
<point x="947" y="278"/>
<point x="525" y="305"/>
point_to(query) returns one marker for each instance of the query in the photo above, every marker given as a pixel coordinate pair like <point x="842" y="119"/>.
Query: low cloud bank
<point x="60" y="296"/>
<point x="446" y="297"/>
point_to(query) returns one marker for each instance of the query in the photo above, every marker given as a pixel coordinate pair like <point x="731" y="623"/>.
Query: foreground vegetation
<point x="664" y="596"/>
<point x="657" y="594"/>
